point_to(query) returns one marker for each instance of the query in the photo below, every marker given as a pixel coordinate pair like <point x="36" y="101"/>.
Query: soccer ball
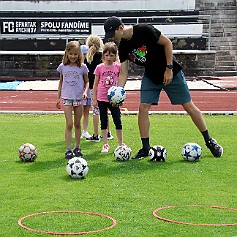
<point x="157" y="153"/>
<point x="191" y="151"/>
<point x="122" y="153"/>
<point x="77" y="167"/>
<point x="116" y="95"/>
<point x="27" y="152"/>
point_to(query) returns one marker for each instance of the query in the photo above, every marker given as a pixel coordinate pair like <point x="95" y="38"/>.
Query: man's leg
<point x="196" y="115"/>
<point x="199" y="121"/>
<point x="144" y="128"/>
<point x="143" y="120"/>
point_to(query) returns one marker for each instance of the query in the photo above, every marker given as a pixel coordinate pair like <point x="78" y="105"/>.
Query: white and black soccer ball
<point x="27" y="152"/>
<point x="116" y="95"/>
<point x="122" y="153"/>
<point x="191" y="151"/>
<point x="77" y="167"/>
<point x="157" y="153"/>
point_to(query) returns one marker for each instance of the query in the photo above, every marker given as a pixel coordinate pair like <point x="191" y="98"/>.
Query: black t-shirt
<point x="97" y="59"/>
<point x="143" y="49"/>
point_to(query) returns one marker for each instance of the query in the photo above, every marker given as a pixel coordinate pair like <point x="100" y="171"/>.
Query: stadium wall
<point x="26" y="54"/>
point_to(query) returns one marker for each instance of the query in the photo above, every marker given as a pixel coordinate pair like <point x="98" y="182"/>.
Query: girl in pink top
<point x="106" y="75"/>
<point x="72" y="90"/>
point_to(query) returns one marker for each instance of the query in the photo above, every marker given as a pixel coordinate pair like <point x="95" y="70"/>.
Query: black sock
<point x="206" y="136"/>
<point x="145" y="143"/>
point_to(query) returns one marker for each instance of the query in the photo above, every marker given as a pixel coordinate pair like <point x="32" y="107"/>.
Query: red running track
<point x="46" y="100"/>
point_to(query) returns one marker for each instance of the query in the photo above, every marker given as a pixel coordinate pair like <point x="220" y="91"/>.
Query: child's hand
<point x="58" y="106"/>
<point x="95" y="104"/>
<point x="84" y="96"/>
<point x="115" y="105"/>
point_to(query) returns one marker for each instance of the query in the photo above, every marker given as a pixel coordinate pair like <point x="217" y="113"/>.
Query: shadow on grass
<point x="65" y="177"/>
<point x="40" y="165"/>
<point x="115" y="168"/>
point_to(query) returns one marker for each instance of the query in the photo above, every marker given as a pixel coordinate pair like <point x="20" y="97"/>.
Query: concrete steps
<point x="223" y="33"/>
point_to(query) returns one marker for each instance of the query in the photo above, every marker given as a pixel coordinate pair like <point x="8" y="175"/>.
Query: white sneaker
<point x="105" y="148"/>
<point x="110" y="136"/>
<point x="85" y="134"/>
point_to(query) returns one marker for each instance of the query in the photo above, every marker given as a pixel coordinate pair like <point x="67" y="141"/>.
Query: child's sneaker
<point x="77" y="152"/>
<point x="105" y="148"/>
<point x="110" y="136"/>
<point x="93" y="138"/>
<point x="68" y="154"/>
<point x="85" y="134"/>
<point x="215" y="148"/>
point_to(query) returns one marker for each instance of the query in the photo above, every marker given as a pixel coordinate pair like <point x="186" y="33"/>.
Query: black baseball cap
<point x="110" y="25"/>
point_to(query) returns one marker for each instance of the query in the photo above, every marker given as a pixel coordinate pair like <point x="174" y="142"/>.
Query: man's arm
<point x="123" y="74"/>
<point x="163" y="40"/>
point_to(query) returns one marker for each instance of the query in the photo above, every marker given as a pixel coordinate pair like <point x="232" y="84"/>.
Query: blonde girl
<point x="72" y="90"/>
<point x="93" y="58"/>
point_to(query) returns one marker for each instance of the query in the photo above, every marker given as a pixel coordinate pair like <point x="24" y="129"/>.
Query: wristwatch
<point x="170" y="66"/>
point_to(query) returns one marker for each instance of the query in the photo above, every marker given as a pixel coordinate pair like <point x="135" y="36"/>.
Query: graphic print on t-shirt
<point x="108" y="78"/>
<point x="73" y="77"/>
<point x="138" y="55"/>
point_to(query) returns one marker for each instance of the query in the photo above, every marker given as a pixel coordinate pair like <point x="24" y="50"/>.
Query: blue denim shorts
<point x="177" y="90"/>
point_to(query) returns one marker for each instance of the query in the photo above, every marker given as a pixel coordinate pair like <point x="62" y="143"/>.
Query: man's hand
<point x="168" y="76"/>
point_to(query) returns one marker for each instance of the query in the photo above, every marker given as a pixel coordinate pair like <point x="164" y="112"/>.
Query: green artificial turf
<point x="127" y="191"/>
